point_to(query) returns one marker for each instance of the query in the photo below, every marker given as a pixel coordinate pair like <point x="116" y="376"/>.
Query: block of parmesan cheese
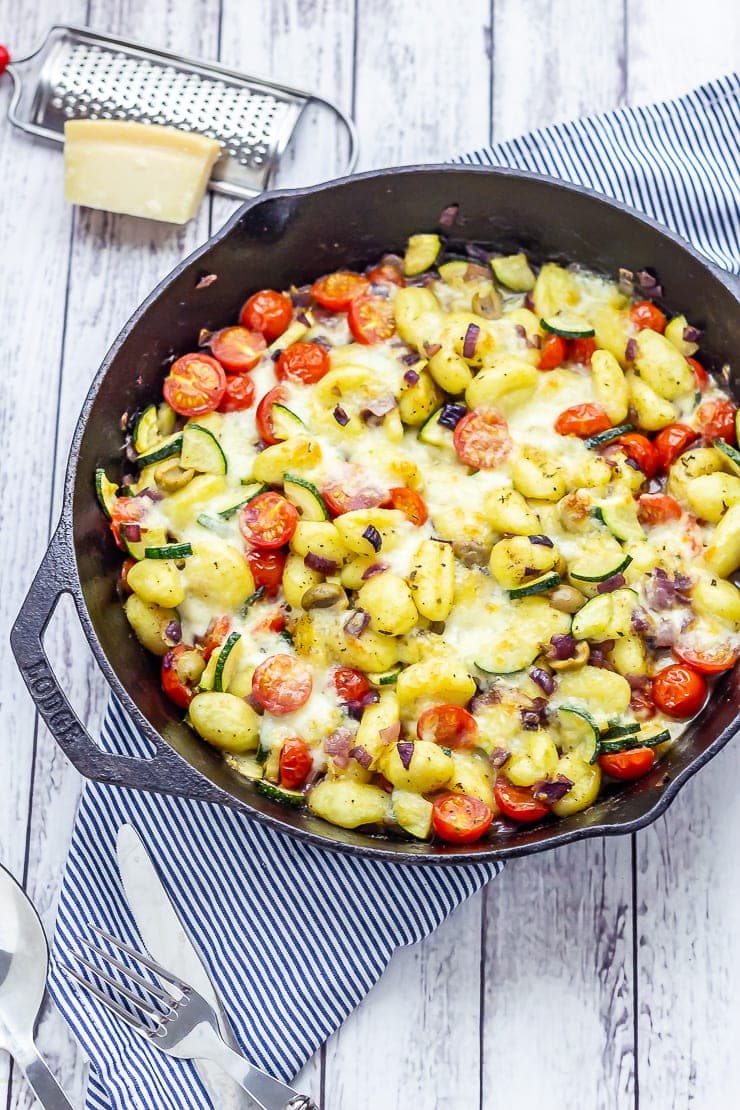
<point x="135" y="168"/>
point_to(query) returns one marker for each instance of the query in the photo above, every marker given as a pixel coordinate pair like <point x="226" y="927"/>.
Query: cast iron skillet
<point x="294" y="236"/>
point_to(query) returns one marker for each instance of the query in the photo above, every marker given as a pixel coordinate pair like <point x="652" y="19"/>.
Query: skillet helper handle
<point x="165" y="772"/>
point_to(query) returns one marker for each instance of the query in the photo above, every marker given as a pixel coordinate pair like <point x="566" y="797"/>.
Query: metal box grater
<point x="77" y="73"/>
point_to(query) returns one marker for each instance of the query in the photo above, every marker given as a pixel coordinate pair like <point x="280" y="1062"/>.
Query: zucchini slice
<point x="247" y="765"/>
<point x="732" y="455"/>
<point x="146" y="431"/>
<point x="605" y="616"/>
<point x="615" y="730"/>
<point x="214" y="524"/>
<point x="412" y="812"/>
<point x="106" y="492"/>
<point x="537" y="586"/>
<point x="385" y="678"/>
<point x="201" y="451"/>
<point x="250" y="491"/>
<point x="435" y="434"/>
<point x="421" y="254"/>
<point x="285" y="423"/>
<point x="279" y="794"/>
<point x="166" y="419"/>
<point x="164" y="450"/>
<point x="224" y="673"/>
<point x="620" y="517"/>
<point x="598" y="559"/>
<point x="137" y="548"/>
<point x="168" y="551"/>
<point x="579" y="733"/>
<point x="306" y="498"/>
<point x="635" y="740"/>
<point x="514" y="271"/>
<point x="568" y="324"/>
<point x="608" y="435"/>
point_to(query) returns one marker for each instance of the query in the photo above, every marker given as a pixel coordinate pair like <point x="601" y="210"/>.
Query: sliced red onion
<point x="471" y="338"/>
<point x="691" y="334"/>
<point x="362" y="755"/>
<point x="544" y="680"/>
<point x="390" y="733"/>
<point x="431" y="349"/>
<point x="206" y="280"/>
<point x="337" y="745"/>
<point x="322" y="341"/>
<point x="551" y="791"/>
<point x="638" y="681"/>
<point x="499" y="756"/>
<point x="543" y="541"/>
<point x="303" y="319"/>
<point x="630" y="351"/>
<point x="420" y="281"/>
<point x="411" y="377"/>
<point x="301" y="298"/>
<point x="662" y="592"/>
<point x="319" y="563"/>
<point x="614" y="583"/>
<point x="451" y="415"/>
<point x="529" y="301"/>
<point x="535" y="715"/>
<point x="520" y="330"/>
<point x="649" y="284"/>
<point x="410" y="358"/>
<point x="479" y="253"/>
<point x="483" y="698"/>
<point x="534" y="341"/>
<point x="377" y="409"/>
<point x="448" y="216"/>
<point x="356" y="623"/>
<point x="131" y="532"/>
<point x="598" y="654"/>
<point x="640" y="620"/>
<point x="405" y="752"/>
<point x="357" y="707"/>
<point x="341" y="416"/>
<point x="150" y="494"/>
<point x="373" y="537"/>
<point x="372" y="570"/>
<point x="173" y="632"/>
<point x="276" y="355"/>
<point x="563" y="646"/>
<point x="530" y="572"/>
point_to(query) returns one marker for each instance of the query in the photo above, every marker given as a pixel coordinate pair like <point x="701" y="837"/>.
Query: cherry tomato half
<point x="388" y="273"/>
<point x="267" y="569"/>
<point x="296" y="763"/>
<point x="281" y="684"/>
<point x="645" y="314"/>
<point x="719" y="657"/>
<point x="552" y="352"/>
<point x="700" y="375"/>
<point x="237" y="349"/>
<point x="352" y="491"/>
<point x="628" y="765"/>
<point x="640" y="450"/>
<point x="195" y="385"/>
<point x="450" y="726"/>
<point x="126" y="510"/>
<point x="303" y="362"/>
<point x="482" y="438"/>
<point x="460" y="818"/>
<point x="582" y="420"/>
<point x="410" y="503"/>
<point x="264" y="414"/>
<point x="267" y="312"/>
<point x="371" y="319"/>
<point x="672" y="442"/>
<point x="268" y="520"/>
<point x="350" y="685"/>
<point x="337" y="291"/>
<point x="518" y="802"/>
<point x="679" y="691"/>
<point x="580" y="350"/>
<point x="177" y="676"/>
<point x="238" y="395"/>
<point x="216" y="633"/>
<point x="657" y="508"/>
<point x="717" y="420"/>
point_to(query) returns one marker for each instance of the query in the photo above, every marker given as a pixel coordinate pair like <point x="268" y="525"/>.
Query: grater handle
<point x="349" y="127"/>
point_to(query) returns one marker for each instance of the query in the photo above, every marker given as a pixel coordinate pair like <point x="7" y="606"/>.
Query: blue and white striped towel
<point x="325" y="925"/>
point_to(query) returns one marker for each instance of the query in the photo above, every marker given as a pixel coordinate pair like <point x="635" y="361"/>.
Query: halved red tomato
<point x="303" y="362"/>
<point x="628" y="765"/>
<point x="450" y="726"/>
<point x="239" y="393"/>
<point x="216" y="633"/>
<point x="126" y="510"/>
<point x="268" y="312"/>
<point x="178" y="673"/>
<point x="371" y="319"/>
<point x="268" y="520"/>
<point x="410" y="503"/>
<point x="679" y="691"/>
<point x="700" y="375"/>
<point x="237" y="348"/>
<point x="582" y="420"/>
<point x="296" y="763"/>
<point x="350" y="685"/>
<point x="275" y="396"/>
<point x="267" y="569"/>
<point x="281" y="684"/>
<point x="657" y="508"/>
<point x="388" y="273"/>
<point x="518" y="802"/>
<point x="552" y="352"/>
<point x="482" y="438"/>
<point x="580" y="350"/>
<point x="640" y="450"/>
<point x="460" y="818"/>
<point x="717" y="420"/>
<point x="195" y="385"/>
<point x="711" y="660"/>
<point x="645" y="314"/>
<point x="671" y="442"/>
<point x="337" y="291"/>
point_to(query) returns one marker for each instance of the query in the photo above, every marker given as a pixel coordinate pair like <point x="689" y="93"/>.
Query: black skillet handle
<point x="165" y="771"/>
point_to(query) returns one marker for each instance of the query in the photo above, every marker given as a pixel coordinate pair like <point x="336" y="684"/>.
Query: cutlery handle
<point x="268" y="1093"/>
<point x="40" y="1080"/>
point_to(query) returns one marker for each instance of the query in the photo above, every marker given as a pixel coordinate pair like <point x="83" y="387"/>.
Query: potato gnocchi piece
<point x="390" y="603"/>
<point x="653" y="411"/>
<point x="586" y="779"/>
<point x="536" y="474"/>
<point x="418" y="765"/>
<point x="506" y="385"/>
<point x="610" y="386"/>
<point x="349" y="804"/>
<point x="158" y="582"/>
<point x="149" y="623"/>
<point x="661" y="366"/>
<point x="432" y="580"/>
<point x="509" y="511"/>
<point x="218" y="574"/>
<point x="225" y="721"/>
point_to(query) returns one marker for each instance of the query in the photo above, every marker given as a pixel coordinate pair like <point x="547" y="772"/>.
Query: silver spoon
<point x="24" y="964"/>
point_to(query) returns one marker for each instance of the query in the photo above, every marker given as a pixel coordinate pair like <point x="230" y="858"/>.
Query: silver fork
<point x="178" y="1020"/>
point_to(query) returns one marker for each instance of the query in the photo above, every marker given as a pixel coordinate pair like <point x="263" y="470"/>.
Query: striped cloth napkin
<point x="295" y="937"/>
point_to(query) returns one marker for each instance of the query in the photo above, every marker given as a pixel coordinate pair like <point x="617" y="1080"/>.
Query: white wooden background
<point x="600" y="977"/>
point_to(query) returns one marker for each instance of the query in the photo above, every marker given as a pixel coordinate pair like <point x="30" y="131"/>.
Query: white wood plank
<point x="688" y="906"/>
